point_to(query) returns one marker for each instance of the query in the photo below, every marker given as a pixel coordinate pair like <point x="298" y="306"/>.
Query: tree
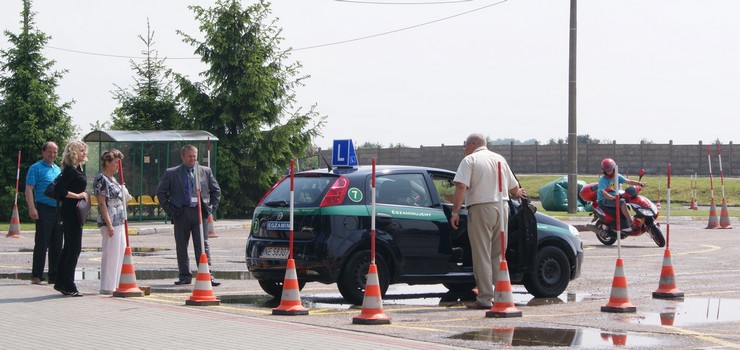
<point x="153" y="104"/>
<point x="30" y="110"/>
<point x="246" y="99"/>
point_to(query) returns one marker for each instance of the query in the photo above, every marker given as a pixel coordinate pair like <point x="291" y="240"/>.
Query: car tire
<point x="275" y="288"/>
<point x="551" y="275"/>
<point x="352" y="280"/>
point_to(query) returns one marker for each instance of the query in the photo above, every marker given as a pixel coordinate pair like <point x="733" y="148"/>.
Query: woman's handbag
<point x="83" y="208"/>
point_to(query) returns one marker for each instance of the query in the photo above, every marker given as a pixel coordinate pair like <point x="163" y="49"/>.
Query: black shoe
<point x="61" y="290"/>
<point x="215" y="283"/>
<point x="75" y="294"/>
<point x="181" y="282"/>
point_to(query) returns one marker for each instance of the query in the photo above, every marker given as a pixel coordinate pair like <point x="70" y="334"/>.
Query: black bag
<point x="50" y="190"/>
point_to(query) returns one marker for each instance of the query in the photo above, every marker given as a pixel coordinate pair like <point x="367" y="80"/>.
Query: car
<point x="415" y="243"/>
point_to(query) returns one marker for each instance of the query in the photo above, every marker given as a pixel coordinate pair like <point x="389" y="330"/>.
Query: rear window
<point x="308" y="191"/>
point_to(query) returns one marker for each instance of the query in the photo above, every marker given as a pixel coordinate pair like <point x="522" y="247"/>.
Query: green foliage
<point x="368" y="144"/>
<point x="246" y="99"/>
<point x="152" y="105"/>
<point x="30" y="110"/>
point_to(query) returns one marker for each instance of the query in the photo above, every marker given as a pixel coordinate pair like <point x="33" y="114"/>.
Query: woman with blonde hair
<point x="112" y="200"/>
<point x="71" y="187"/>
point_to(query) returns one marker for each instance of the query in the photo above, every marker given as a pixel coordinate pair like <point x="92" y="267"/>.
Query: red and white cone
<point x="503" y="297"/>
<point x="203" y="291"/>
<point x="693" y="205"/>
<point x="724" y="216"/>
<point x="290" y="300"/>
<point x="713" y="219"/>
<point x="619" y="300"/>
<point x="14" y="230"/>
<point x="127" y="284"/>
<point x="211" y="227"/>
<point x="667" y="318"/>
<point x="667" y="285"/>
<point x="372" y="304"/>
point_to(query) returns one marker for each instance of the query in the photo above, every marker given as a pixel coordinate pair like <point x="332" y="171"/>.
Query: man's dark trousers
<point x="186" y="224"/>
<point x="48" y="236"/>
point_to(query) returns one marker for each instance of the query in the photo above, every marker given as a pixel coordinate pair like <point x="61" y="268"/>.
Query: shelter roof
<point x="148" y="136"/>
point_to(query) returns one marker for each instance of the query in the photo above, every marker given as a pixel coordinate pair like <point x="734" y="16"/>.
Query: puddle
<point x="89" y="274"/>
<point x="135" y="251"/>
<point x="529" y="336"/>
<point x="692" y="311"/>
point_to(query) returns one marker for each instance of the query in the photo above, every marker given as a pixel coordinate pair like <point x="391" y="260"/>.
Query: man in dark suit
<point x="177" y="196"/>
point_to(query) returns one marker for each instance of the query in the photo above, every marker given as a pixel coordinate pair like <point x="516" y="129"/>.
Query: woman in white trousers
<point x="112" y="200"/>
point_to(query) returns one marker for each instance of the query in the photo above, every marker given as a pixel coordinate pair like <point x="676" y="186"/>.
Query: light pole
<point x="572" y="130"/>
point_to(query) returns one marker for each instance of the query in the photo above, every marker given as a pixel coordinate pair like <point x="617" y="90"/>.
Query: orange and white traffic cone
<point x="127" y="284"/>
<point x="619" y="300"/>
<point x="14" y="230"/>
<point x="503" y="336"/>
<point x="693" y="205"/>
<point x="372" y="304"/>
<point x="713" y="219"/>
<point x="211" y="227"/>
<point x="503" y="297"/>
<point x="667" y="285"/>
<point x="667" y="318"/>
<point x="619" y="339"/>
<point x="290" y="300"/>
<point x="203" y="291"/>
<point x="724" y="216"/>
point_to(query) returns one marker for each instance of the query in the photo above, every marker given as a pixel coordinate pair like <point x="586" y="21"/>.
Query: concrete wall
<point x="553" y="159"/>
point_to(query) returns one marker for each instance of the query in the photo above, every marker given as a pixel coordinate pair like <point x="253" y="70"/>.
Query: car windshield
<point x="307" y="191"/>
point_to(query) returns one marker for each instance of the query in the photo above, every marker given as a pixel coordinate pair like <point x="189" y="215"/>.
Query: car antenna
<point x="328" y="166"/>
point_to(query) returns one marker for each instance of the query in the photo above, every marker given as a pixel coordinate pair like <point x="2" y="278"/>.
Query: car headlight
<point x="573" y="230"/>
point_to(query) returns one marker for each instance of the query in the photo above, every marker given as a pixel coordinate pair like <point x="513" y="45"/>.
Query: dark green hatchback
<point x="415" y="243"/>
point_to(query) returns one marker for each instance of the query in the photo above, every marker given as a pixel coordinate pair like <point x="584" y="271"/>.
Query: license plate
<point x="275" y="253"/>
<point x="278" y="225"/>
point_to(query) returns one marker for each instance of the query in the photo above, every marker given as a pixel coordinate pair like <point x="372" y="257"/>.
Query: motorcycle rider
<point x="607" y="191"/>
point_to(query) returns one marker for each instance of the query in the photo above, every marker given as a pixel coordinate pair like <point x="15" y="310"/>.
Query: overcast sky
<point x="429" y="72"/>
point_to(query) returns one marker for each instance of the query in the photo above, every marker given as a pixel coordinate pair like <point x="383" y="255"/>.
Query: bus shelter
<point x="147" y="154"/>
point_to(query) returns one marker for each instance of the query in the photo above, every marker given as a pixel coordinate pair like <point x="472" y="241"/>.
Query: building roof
<point x="148" y="136"/>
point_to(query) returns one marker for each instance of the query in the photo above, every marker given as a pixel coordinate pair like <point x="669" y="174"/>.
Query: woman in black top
<point x="72" y="186"/>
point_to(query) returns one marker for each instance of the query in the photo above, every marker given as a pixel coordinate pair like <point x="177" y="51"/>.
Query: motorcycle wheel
<point x="657" y="235"/>
<point x="609" y="239"/>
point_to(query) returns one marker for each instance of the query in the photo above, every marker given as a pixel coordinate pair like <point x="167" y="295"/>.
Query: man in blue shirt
<point x="607" y="192"/>
<point x="43" y="210"/>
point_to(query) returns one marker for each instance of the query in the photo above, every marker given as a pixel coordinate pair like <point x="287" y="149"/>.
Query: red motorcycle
<point x="604" y="221"/>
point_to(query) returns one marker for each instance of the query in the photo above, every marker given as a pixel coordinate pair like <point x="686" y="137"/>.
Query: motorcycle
<point x="604" y="221"/>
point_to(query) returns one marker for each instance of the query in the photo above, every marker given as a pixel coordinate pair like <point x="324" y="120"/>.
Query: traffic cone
<point x="713" y="219"/>
<point x="667" y="285"/>
<point x="203" y="291"/>
<point x="127" y="284"/>
<point x="619" y="339"/>
<point x="372" y="304"/>
<point x="211" y="228"/>
<point x="290" y="300"/>
<point x="14" y="230"/>
<point x="619" y="301"/>
<point x="693" y="205"/>
<point x="503" y="297"/>
<point x="724" y="216"/>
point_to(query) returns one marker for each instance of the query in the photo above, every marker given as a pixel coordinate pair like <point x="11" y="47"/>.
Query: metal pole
<point x="572" y="130"/>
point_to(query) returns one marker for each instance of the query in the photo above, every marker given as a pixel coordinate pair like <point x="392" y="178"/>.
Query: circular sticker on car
<point x="354" y="194"/>
<point x="255" y="225"/>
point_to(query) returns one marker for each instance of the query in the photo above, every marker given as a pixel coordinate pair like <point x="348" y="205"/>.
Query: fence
<point x="553" y="159"/>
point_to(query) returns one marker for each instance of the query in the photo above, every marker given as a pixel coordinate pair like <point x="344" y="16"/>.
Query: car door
<point x="406" y="214"/>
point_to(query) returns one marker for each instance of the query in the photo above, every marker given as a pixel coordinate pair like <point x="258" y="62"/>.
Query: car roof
<point x="379" y="170"/>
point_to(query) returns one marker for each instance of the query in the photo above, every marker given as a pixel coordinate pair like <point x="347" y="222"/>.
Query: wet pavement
<point x="706" y="264"/>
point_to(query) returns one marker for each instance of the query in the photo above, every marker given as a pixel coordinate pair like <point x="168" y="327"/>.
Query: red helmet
<point x="608" y="164"/>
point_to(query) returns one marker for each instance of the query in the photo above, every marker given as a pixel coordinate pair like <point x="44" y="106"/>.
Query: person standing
<point x="177" y="196"/>
<point x="477" y="183"/>
<point x="111" y="198"/>
<point x="43" y="211"/>
<point x="72" y="188"/>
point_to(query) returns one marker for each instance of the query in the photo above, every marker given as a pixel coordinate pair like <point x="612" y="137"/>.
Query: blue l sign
<point x="343" y="153"/>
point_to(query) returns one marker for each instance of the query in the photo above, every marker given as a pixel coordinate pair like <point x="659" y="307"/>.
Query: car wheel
<point x="551" y="275"/>
<point x="352" y="280"/>
<point x="275" y="288"/>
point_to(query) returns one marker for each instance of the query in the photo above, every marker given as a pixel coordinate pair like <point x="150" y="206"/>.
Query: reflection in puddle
<point x="692" y="311"/>
<point x="530" y="336"/>
<point x="136" y="251"/>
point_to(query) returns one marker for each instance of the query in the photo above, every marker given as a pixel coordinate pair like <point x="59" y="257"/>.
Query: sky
<point x="430" y="72"/>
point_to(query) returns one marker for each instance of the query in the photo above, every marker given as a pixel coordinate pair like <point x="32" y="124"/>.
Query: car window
<point x="445" y="188"/>
<point x="403" y="189"/>
<point x="307" y="191"/>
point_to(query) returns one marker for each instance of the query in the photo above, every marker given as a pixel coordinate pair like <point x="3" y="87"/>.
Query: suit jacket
<point x="170" y="190"/>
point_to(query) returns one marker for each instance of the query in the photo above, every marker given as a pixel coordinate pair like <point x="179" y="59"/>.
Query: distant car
<point x="415" y="243"/>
